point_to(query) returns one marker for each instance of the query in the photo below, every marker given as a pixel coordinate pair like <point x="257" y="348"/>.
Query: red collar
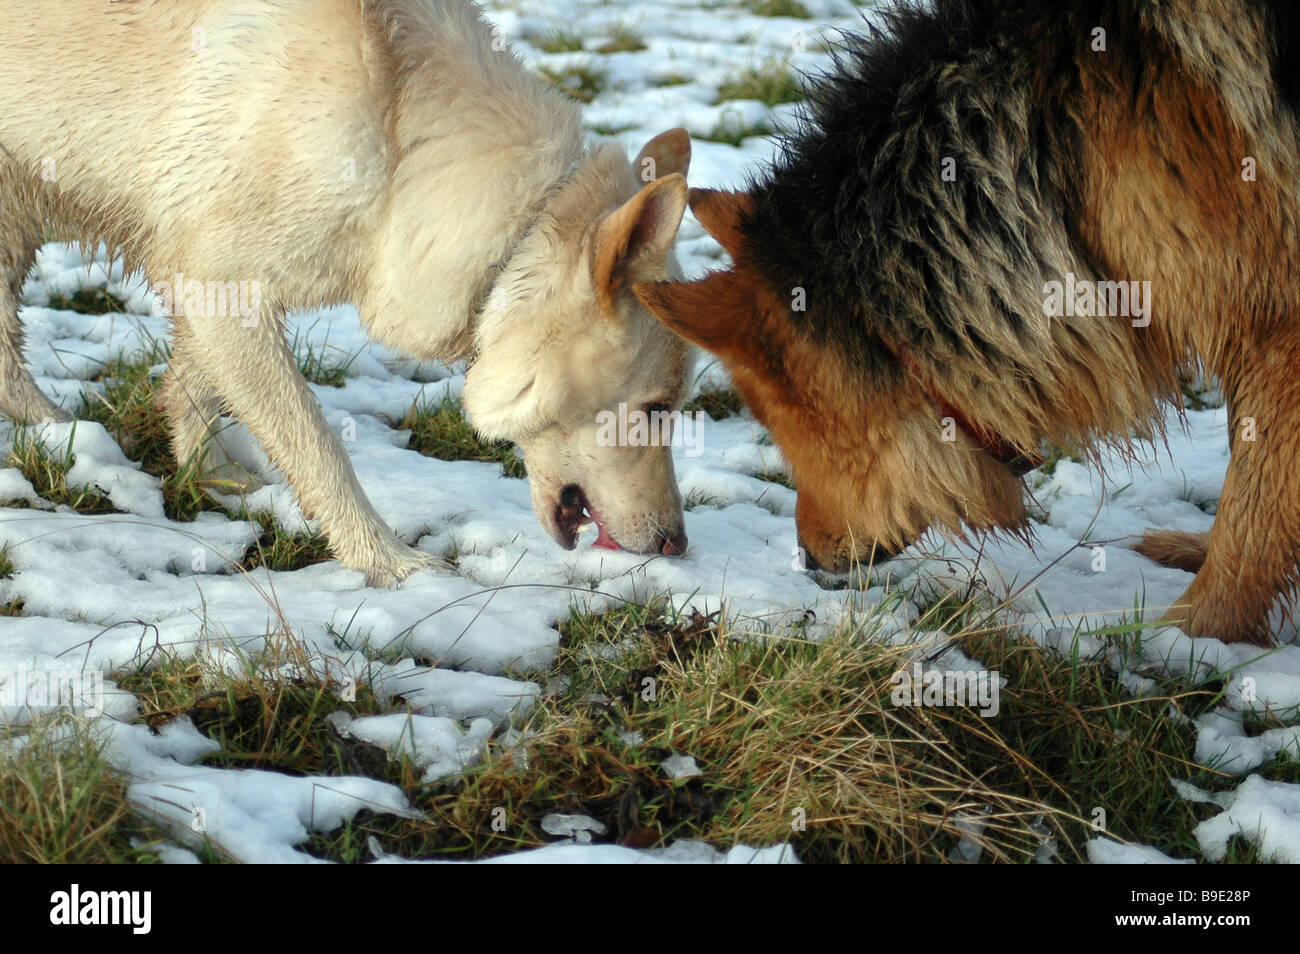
<point x="989" y="441"/>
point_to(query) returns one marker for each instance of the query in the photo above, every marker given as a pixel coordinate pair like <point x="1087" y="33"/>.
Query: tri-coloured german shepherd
<point x="1009" y="222"/>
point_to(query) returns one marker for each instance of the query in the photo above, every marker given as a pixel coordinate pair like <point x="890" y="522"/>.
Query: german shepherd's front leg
<point x="253" y="369"/>
<point x="1252" y="553"/>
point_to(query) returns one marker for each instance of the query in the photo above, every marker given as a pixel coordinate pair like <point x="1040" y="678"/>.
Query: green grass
<point x="558" y="40"/>
<point x="282" y="550"/>
<point x="622" y="39"/>
<point x="718" y="403"/>
<point x="440" y="429"/>
<point x="774" y="475"/>
<point x="47" y="470"/>
<point x="697" y="499"/>
<point x="733" y="130"/>
<point x="771" y="83"/>
<point x="609" y="129"/>
<point x="88" y="301"/>
<point x="670" y="79"/>
<point x="321" y="367"/>
<point x="778" y="8"/>
<point x="581" y="82"/>
<point x="1053" y="454"/>
<point x="13" y="607"/>
<point x="260" y="718"/>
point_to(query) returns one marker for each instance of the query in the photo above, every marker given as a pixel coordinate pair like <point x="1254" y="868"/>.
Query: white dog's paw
<point x="393" y="566"/>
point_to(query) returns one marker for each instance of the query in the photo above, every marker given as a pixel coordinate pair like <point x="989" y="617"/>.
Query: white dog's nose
<point x="674" y="545"/>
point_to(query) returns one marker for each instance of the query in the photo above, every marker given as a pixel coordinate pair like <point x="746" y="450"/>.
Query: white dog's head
<point x="563" y="344"/>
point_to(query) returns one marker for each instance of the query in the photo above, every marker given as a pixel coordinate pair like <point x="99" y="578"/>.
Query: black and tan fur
<point x="1122" y="163"/>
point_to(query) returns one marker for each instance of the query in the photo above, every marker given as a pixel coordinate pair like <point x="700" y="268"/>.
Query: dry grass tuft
<point x="61" y="803"/>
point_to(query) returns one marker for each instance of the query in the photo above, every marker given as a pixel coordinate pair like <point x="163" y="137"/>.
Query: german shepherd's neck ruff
<point x="969" y="169"/>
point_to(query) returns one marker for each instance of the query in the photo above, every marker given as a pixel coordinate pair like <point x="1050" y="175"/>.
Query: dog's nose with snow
<point x="672" y="544"/>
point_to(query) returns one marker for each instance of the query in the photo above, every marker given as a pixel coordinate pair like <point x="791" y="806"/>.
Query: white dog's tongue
<point x="603" y="538"/>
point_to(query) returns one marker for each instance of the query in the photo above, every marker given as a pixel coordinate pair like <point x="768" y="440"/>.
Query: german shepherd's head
<point x="566" y="344"/>
<point x="872" y="462"/>
<point x="884" y="314"/>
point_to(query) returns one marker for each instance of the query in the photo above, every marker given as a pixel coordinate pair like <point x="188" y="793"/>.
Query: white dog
<point x="394" y="154"/>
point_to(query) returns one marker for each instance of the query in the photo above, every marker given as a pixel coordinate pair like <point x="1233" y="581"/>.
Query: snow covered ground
<point x="99" y="590"/>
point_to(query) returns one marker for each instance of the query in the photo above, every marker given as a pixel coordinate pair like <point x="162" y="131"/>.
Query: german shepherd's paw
<point x="1174" y="548"/>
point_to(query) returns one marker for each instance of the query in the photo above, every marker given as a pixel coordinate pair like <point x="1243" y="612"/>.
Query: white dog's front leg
<point x="193" y="405"/>
<point x="252" y="367"/>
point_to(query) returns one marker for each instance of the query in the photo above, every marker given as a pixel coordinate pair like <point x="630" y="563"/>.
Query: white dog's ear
<point x="665" y="154"/>
<point x="633" y="242"/>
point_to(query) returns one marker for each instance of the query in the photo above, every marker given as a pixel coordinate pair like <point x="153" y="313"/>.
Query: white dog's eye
<point x="656" y="407"/>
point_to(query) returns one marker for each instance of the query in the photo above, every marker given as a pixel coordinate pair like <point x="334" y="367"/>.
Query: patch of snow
<point x="438" y="746"/>
<point x="1104" y="851"/>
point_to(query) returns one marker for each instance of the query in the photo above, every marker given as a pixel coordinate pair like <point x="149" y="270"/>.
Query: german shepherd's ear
<point x="722" y="214"/>
<point x="633" y="242"/>
<point x="717" y="312"/>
